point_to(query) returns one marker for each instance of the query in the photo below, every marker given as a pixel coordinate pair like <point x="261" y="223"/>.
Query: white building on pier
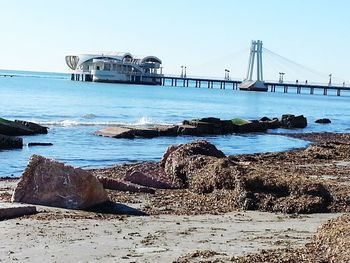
<point x="117" y="67"/>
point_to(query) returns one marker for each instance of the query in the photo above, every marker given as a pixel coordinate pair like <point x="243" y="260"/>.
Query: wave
<point x="143" y="121"/>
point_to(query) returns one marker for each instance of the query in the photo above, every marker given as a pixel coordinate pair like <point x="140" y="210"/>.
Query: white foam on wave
<point x="143" y="121"/>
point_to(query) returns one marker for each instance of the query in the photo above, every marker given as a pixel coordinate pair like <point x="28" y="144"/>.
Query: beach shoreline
<point x="179" y="222"/>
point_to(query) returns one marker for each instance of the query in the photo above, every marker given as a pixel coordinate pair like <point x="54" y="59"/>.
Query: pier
<point x="286" y="87"/>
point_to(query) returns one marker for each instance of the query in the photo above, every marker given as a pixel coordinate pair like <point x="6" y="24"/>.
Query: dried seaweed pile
<point x="297" y="181"/>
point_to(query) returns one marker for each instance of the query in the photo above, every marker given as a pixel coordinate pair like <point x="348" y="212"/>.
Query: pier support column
<point x="338" y="92"/>
<point x="311" y="91"/>
<point x="196" y="83"/>
<point x="175" y="82"/>
<point x="325" y="91"/>
<point x="187" y="83"/>
<point x="183" y="84"/>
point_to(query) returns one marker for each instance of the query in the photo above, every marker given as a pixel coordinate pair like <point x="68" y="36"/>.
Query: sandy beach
<point x="179" y="225"/>
<point x="162" y="238"/>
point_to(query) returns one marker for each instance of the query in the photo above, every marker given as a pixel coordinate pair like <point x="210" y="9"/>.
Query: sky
<point x="206" y="36"/>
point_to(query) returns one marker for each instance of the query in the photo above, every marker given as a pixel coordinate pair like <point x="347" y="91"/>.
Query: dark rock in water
<point x="39" y="144"/>
<point x="19" y="128"/>
<point x="7" y="142"/>
<point x="36" y="128"/>
<point x="47" y="182"/>
<point x="210" y="120"/>
<point x="167" y="130"/>
<point x="146" y="133"/>
<point x="116" y="132"/>
<point x="187" y="130"/>
<point x="265" y="119"/>
<point x="228" y="127"/>
<point x="291" y="121"/>
<point x="177" y="163"/>
<point x="252" y="127"/>
<point x="11" y="128"/>
<point x="273" y="124"/>
<point x="207" y="127"/>
<point x="121" y="185"/>
<point x="323" y="121"/>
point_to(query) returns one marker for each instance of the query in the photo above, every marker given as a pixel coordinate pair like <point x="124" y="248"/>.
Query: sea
<point x="73" y="111"/>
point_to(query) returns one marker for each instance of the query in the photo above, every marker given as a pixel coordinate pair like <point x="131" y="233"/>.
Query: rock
<point x="265" y="119"/>
<point x="291" y="121"/>
<point x="116" y="132"/>
<point x="120" y="185"/>
<point x="39" y="144"/>
<point x="11" y="128"/>
<point x="210" y="120"/>
<point x="252" y="127"/>
<point x="323" y="121"/>
<point x="167" y="130"/>
<point x="8" y="211"/>
<point x="204" y="128"/>
<point x="146" y="180"/>
<point x="187" y="130"/>
<point x="146" y="133"/>
<point x="48" y="182"/>
<point x="7" y="142"/>
<point x="149" y="174"/>
<point x="177" y="165"/>
<point x="272" y="124"/>
<point x="36" y="128"/>
<point x="228" y="127"/>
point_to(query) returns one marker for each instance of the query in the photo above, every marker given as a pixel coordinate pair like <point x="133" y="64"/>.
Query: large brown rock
<point x="48" y="182"/>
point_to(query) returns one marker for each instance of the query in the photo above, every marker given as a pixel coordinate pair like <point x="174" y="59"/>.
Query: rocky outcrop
<point x="19" y="128"/>
<point x="7" y="142"/>
<point x="206" y="126"/>
<point x="323" y="121"/>
<point x="48" y="182"/>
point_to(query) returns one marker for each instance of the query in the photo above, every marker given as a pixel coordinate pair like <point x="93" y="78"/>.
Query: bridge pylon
<point x="249" y="83"/>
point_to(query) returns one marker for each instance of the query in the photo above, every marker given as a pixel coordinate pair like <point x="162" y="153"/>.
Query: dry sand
<point x="161" y="238"/>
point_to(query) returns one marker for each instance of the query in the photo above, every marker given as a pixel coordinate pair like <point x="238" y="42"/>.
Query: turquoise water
<point x="74" y="110"/>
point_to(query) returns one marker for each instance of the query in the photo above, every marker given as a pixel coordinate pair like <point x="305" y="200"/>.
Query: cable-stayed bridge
<point x="254" y="79"/>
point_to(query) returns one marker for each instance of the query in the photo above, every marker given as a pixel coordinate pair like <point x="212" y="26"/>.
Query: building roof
<point x="74" y="61"/>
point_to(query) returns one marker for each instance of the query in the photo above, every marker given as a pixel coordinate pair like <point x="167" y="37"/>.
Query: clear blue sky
<point x="204" y="35"/>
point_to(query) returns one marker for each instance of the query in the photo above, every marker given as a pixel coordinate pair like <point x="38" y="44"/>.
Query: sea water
<point x="73" y="111"/>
